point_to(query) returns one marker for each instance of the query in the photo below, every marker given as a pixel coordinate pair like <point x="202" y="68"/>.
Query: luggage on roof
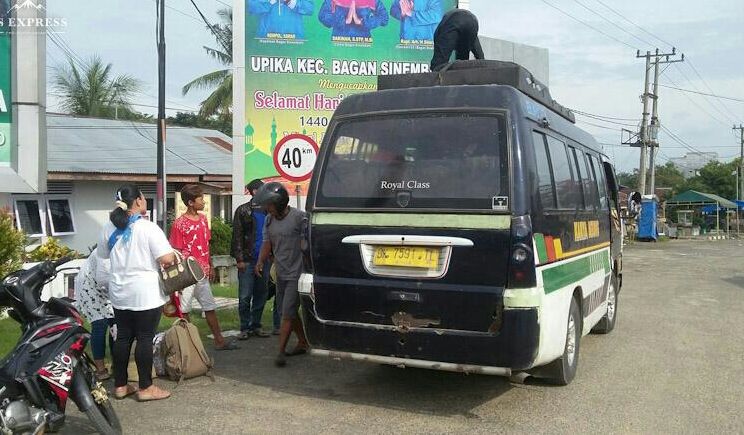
<point x="479" y="72"/>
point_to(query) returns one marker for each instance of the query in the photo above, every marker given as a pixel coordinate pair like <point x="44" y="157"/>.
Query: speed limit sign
<point x="295" y="156"/>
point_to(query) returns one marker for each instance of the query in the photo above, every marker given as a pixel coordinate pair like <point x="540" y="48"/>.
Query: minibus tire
<point x="563" y="370"/>
<point x="607" y="323"/>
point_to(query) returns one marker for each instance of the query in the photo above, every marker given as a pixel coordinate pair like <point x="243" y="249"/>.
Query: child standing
<point x="190" y="235"/>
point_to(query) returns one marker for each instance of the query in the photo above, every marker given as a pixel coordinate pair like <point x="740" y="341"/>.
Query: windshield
<point x="445" y="160"/>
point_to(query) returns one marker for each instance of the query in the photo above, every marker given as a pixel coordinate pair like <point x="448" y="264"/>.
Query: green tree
<point x="12" y="242"/>
<point x="628" y="179"/>
<point x="93" y="90"/>
<point x="715" y="177"/>
<point x="193" y="120"/>
<point x="669" y="176"/>
<point x="666" y="176"/>
<point x="219" y="103"/>
<point x="221" y="237"/>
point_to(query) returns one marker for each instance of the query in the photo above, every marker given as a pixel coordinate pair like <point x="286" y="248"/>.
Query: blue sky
<point x="588" y="71"/>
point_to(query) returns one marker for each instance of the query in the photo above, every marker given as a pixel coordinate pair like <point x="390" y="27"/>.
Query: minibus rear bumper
<point x="512" y="347"/>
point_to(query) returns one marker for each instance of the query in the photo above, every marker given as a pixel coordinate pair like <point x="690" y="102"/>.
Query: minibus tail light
<point x="307" y="261"/>
<point x="521" y="261"/>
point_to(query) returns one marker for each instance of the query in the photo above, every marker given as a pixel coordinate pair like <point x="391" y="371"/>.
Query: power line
<point x="597" y="125"/>
<point x="634" y="24"/>
<point x="604" y="116"/>
<point x="684" y="76"/>
<point x="225" y="45"/>
<point x="698" y="105"/>
<point x="680" y="140"/>
<point x="692" y="66"/>
<point x="185" y="14"/>
<point x="739" y="100"/>
<point x="177" y="109"/>
<point x="588" y="25"/>
<point x="712" y="93"/>
<point x="606" y="120"/>
<point x="612" y="22"/>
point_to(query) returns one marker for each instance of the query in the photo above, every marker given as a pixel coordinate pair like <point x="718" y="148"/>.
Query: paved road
<point x="675" y="364"/>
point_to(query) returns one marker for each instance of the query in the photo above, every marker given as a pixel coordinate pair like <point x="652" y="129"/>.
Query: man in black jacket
<point x="246" y="242"/>
<point x="458" y="32"/>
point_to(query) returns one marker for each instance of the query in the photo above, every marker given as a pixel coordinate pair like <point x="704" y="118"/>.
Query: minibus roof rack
<point x="479" y="72"/>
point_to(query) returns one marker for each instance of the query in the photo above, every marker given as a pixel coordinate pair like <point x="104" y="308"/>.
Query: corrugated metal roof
<point x="92" y="145"/>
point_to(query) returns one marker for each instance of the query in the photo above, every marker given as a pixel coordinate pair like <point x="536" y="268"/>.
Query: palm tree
<point x="92" y="90"/>
<point x="219" y="102"/>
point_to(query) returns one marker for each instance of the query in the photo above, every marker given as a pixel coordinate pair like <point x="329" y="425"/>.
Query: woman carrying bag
<point x="138" y="249"/>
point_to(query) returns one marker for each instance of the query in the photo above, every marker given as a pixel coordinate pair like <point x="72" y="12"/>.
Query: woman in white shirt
<point x="137" y="248"/>
<point x="91" y="299"/>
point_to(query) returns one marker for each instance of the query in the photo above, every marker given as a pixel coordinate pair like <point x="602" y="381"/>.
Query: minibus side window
<point x="564" y="183"/>
<point x="601" y="185"/>
<point x="590" y="184"/>
<point x="580" y="172"/>
<point x="545" y="185"/>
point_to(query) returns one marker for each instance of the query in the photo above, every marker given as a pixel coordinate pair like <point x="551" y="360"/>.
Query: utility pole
<point x="647" y="137"/>
<point x="655" y="114"/>
<point x="643" y="139"/>
<point x="161" y="185"/>
<point x="741" y="160"/>
<point x="739" y="174"/>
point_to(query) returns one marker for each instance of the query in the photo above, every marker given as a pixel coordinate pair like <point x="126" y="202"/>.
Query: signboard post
<point x="6" y="138"/>
<point x="23" y="35"/>
<point x="294" y="159"/>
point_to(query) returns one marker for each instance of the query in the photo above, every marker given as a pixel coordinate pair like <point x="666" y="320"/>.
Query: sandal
<point x="124" y="392"/>
<point x="152" y="393"/>
<point x="298" y="351"/>
<point x="260" y="334"/>
<point x="281" y="360"/>
<point x="103" y="375"/>
<point x="229" y="345"/>
<point x="244" y="335"/>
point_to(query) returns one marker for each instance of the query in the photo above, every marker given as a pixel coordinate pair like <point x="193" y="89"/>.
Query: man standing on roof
<point x="458" y="32"/>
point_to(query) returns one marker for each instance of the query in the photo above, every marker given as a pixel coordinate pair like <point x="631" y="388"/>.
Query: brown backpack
<point x="183" y="352"/>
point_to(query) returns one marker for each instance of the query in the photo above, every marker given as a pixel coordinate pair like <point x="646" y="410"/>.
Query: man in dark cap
<point x="246" y="243"/>
<point x="458" y="32"/>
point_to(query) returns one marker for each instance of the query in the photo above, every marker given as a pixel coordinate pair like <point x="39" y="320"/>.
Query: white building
<point x="693" y="162"/>
<point x="88" y="159"/>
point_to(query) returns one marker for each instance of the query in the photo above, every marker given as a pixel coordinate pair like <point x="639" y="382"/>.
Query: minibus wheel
<point x="563" y="370"/>
<point x="607" y="323"/>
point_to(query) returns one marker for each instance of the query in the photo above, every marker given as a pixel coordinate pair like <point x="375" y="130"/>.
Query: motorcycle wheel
<point x="104" y="418"/>
<point x="102" y="415"/>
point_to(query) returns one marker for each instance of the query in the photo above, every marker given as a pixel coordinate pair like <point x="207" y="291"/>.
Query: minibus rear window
<point x="440" y="161"/>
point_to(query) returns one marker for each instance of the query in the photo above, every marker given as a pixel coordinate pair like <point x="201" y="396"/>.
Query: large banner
<point x="5" y="89"/>
<point x="304" y="56"/>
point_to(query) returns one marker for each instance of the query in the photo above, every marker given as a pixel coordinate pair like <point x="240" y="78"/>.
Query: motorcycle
<point x="49" y="364"/>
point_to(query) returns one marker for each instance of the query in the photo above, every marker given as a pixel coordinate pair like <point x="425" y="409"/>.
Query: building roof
<point x="693" y="197"/>
<point x="107" y="146"/>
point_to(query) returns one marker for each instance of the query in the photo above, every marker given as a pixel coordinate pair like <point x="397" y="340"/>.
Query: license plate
<point x="406" y="256"/>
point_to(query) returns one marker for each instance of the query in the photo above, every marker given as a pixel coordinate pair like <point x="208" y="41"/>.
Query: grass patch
<point x="10" y="331"/>
<point x="225" y="291"/>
